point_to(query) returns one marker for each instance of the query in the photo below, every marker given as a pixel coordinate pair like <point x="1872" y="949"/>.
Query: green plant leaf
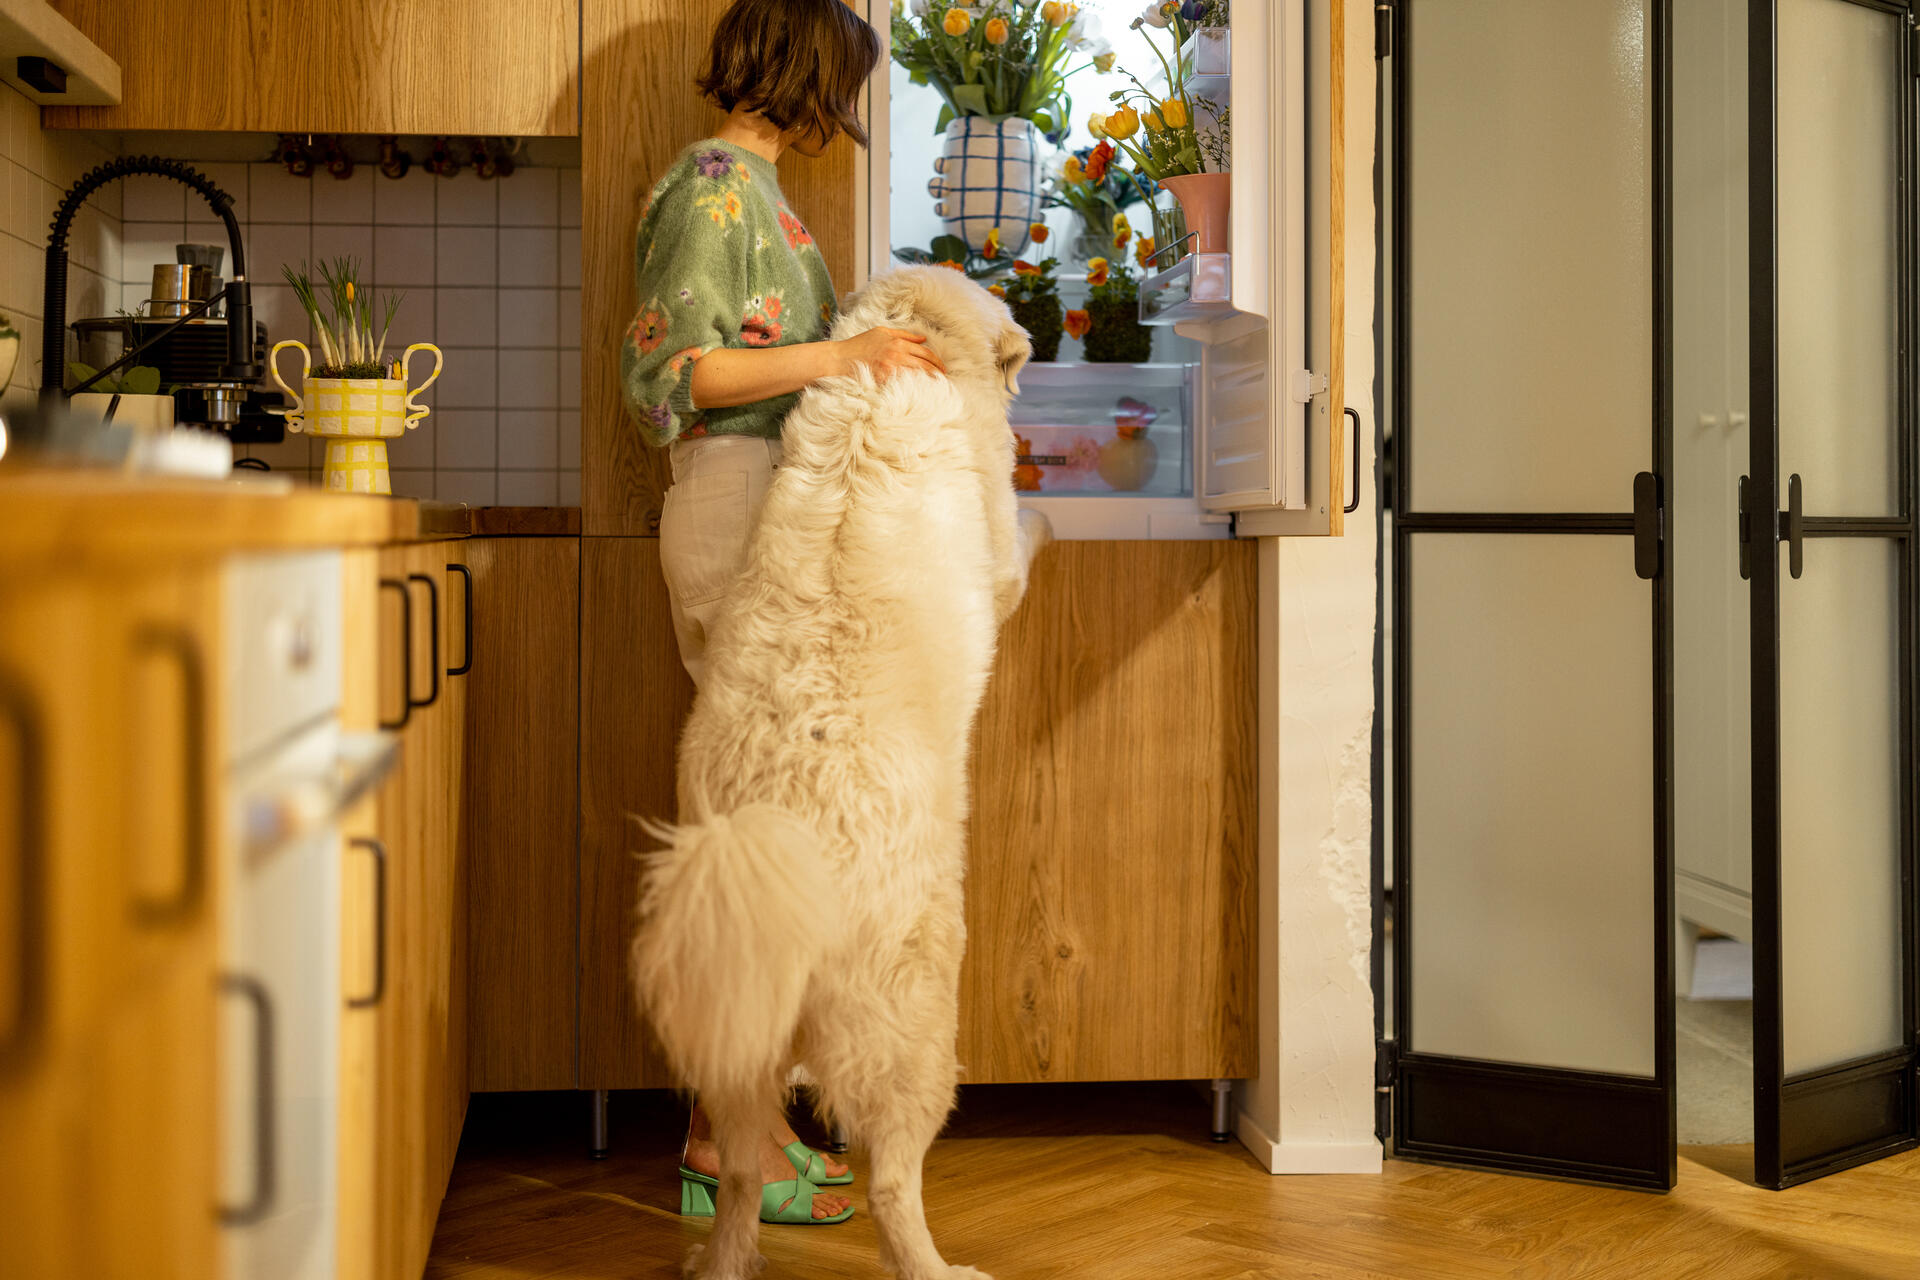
<point x="141" y="380"/>
<point x="970" y="98"/>
<point x="949" y="249"/>
<point x="947" y="117"/>
<point x="1043" y="121"/>
<point x="80" y="371"/>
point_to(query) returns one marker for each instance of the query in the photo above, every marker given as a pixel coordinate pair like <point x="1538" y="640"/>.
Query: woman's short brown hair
<point x="799" y="63"/>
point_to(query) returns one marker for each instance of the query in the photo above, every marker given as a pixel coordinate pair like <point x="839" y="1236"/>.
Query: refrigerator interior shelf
<point x="1199" y="287"/>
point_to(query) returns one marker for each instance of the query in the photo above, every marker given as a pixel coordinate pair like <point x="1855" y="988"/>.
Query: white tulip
<point x="1153" y="17"/>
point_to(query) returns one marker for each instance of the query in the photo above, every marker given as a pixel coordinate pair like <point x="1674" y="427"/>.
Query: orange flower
<point x="1038" y="232"/>
<point x="997" y="290"/>
<point x="1097" y="162"/>
<point x="1021" y="267"/>
<point x="956" y="22"/>
<point x="1143" y="250"/>
<point x="1098" y="269"/>
<point x="1077" y="323"/>
<point x="992" y="249"/>
<point x="997" y="31"/>
<point x="1026" y="475"/>
<point x="949" y="262"/>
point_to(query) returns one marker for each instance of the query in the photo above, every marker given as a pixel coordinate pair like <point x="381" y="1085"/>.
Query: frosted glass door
<point x="1532" y="866"/>
<point x="1832" y="453"/>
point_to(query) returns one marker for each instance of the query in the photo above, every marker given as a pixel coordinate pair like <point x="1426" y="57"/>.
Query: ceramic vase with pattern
<point x="357" y="415"/>
<point x="988" y="176"/>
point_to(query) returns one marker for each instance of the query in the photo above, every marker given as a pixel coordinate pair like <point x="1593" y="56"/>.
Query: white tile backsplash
<point x="482" y="267"/>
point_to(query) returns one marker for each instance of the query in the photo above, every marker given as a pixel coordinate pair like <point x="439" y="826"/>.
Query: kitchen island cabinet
<point x="458" y="67"/>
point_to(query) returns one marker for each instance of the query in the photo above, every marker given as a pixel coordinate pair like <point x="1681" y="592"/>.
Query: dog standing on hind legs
<point x="809" y="906"/>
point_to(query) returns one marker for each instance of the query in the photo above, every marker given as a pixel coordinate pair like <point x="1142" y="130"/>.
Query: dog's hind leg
<point x="899" y="1120"/>
<point x="731" y="1251"/>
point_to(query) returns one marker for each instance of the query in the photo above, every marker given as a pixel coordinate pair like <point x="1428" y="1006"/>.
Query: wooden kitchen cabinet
<point x="403" y="1059"/>
<point x="522" y="748"/>
<point x="1111" y="872"/>
<point x="462" y="67"/>
<point x="108" y="1056"/>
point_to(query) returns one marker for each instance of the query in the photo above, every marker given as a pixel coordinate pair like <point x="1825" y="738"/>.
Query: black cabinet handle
<point x="22" y="713"/>
<point x="379" y="852"/>
<point x="406" y="653"/>
<point x="466" y="664"/>
<point x="265" y="1154"/>
<point x="433" y="638"/>
<point x="1796" y="528"/>
<point x="1646" y="525"/>
<point x="1353" y="494"/>
<point x="185" y="651"/>
<point x="1746" y="528"/>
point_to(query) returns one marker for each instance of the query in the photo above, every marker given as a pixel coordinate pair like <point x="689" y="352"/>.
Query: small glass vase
<point x="1169" y="228"/>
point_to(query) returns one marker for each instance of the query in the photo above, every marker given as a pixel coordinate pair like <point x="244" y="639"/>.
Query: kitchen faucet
<point x="236" y="375"/>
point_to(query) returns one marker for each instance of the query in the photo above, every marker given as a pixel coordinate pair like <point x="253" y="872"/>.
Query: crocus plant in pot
<point x="1109" y="328"/>
<point x="356" y="395"/>
<point x="1163" y="135"/>
<point x="1033" y="295"/>
<point x="1000" y="68"/>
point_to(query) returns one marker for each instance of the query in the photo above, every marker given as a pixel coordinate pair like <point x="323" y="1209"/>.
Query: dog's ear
<point x="1015" y="349"/>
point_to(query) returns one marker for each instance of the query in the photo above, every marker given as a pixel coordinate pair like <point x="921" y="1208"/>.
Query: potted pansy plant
<point x="1109" y="327"/>
<point x="1033" y="296"/>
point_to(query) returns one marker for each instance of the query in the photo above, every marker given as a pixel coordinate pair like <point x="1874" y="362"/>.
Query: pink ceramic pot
<point x="1205" y="199"/>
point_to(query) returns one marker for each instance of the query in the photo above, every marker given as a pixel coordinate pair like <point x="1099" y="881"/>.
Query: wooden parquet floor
<point x="1118" y="1182"/>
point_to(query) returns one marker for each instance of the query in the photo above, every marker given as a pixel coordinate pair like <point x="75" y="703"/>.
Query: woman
<point x="735" y="305"/>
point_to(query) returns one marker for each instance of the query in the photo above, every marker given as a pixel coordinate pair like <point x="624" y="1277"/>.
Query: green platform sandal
<point x="796" y="1194"/>
<point x="812" y="1166"/>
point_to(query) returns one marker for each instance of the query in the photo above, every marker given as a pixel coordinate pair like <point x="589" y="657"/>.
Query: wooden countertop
<point x="56" y="518"/>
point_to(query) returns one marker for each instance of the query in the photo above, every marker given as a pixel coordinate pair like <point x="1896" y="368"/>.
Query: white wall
<point x="1311" y="1108"/>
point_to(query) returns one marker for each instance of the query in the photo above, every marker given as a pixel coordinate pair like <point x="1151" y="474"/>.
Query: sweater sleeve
<point x="690" y="273"/>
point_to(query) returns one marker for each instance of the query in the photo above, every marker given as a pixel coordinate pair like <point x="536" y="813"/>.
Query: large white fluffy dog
<point x="809" y="907"/>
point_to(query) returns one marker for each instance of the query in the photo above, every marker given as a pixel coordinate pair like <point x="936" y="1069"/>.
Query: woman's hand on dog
<point x="887" y="352"/>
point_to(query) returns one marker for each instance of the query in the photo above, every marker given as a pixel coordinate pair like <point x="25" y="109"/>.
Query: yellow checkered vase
<point x="356" y="415"/>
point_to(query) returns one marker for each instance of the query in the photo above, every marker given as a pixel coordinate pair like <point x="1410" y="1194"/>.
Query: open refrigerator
<point x="1234" y="424"/>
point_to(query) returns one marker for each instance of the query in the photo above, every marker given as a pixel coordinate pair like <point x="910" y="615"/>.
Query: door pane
<point x="1529" y="228"/>
<point x="1531" y="817"/>
<point x="1839" y="802"/>
<point x="1837" y="117"/>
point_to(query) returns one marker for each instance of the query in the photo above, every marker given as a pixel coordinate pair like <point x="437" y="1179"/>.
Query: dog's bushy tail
<point x="733" y="920"/>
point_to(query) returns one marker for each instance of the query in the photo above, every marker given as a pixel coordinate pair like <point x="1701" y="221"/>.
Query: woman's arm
<point x="729" y="376"/>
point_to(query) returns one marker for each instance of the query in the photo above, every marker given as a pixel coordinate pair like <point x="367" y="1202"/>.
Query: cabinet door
<point x="634" y="696"/>
<point x="522" y="798"/>
<point x="467" y="67"/>
<point x="108" y="1074"/>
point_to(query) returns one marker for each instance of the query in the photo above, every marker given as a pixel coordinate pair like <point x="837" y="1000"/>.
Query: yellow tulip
<point x="956" y="22"/>
<point x="1103" y="62"/>
<point x="1097" y="126"/>
<point x="1174" y="112"/>
<point x="1154" y="123"/>
<point x="997" y="31"/>
<point x="1074" y="171"/>
<point x="1057" y="13"/>
<point x="1123" y="123"/>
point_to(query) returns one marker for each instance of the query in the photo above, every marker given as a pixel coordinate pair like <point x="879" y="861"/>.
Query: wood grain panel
<point x="522" y="798"/>
<point x="641" y="57"/>
<point x="1110" y="890"/>
<point x="634" y="696"/>
<point x="467" y="67"/>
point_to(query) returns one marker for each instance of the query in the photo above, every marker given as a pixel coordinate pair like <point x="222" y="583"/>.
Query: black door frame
<point x="1819" y="1122"/>
<point x="1619" y="1130"/>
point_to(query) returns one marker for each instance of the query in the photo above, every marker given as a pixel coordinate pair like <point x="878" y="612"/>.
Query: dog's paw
<point x="692" y="1270"/>
<point x="1036" y="530"/>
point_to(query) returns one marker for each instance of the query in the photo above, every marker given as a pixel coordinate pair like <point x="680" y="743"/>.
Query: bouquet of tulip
<point x="951" y="251"/>
<point x="1033" y="295"/>
<point x="1110" y="325"/>
<point x="349" y="347"/>
<point x="1089" y="183"/>
<point x="1002" y="59"/>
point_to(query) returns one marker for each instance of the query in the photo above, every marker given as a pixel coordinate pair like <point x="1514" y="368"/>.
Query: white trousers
<point x="718" y="485"/>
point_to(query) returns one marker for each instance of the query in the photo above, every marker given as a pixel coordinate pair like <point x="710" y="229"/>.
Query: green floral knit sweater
<point x="720" y="262"/>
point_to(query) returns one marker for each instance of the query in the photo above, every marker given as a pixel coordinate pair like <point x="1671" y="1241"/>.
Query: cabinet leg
<point x="597" y="1142"/>
<point x="1222" y="1110"/>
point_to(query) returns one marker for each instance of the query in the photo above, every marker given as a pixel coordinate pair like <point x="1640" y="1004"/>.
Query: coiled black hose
<point x="53" y="342"/>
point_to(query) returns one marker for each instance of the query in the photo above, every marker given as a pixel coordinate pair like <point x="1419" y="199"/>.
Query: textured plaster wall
<point x="1311" y="1108"/>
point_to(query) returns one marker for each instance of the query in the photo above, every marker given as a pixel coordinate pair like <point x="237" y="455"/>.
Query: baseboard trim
<point x="1305" y="1157"/>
